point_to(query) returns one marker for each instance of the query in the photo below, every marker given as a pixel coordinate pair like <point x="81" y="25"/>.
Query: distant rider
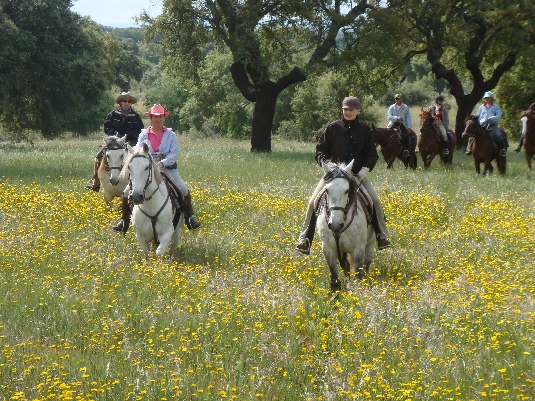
<point x="441" y="121"/>
<point x="399" y="115"/>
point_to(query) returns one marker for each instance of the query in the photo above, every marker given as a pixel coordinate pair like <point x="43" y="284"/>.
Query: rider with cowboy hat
<point x="122" y="121"/>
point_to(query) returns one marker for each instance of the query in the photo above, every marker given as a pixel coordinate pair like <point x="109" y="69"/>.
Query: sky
<point x="116" y="13"/>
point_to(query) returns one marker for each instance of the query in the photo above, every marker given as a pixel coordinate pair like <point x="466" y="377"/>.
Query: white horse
<point x="343" y="226"/>
<point x="115" y="154"/>
<point x="153" y="212"/>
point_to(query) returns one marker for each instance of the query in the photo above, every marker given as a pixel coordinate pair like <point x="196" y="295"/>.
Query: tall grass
<point x="447" y="313"/>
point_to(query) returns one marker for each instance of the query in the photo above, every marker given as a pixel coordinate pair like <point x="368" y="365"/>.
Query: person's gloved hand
<point x="363" y="173"/>
<point x="160" y="165"/>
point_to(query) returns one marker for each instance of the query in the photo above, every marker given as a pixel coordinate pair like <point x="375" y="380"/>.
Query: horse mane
<point x="337" y="171"/>
<point x="144" y="152"/>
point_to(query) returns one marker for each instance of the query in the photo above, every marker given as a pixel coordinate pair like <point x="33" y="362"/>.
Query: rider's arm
<point x="390" y="114"/>
<point x="495" y="114"/>
<point x="408" y="120"/>
<point x="323" y="151"/>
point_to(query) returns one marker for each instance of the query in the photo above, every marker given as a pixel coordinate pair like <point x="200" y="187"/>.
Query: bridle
<point x="113" y="145"/>
<point x="147" y="183"/>
<point x="333" y="174"/>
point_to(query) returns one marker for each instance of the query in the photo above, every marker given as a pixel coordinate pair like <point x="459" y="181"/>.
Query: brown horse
<point x="391" y="147"/>
<point x="528" y="132"/>
<point x="483" y="149"/>
<point x="429" y="143"/>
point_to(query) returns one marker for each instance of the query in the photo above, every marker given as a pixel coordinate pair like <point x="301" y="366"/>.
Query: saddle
<point x="176" y="196"/>
<point x="357" y="192"/>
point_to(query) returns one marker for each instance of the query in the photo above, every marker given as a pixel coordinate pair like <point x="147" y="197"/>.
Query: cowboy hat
<point x="157" y="110"/>
<point x="488" y="94"/>
<point x="125" y="96"/>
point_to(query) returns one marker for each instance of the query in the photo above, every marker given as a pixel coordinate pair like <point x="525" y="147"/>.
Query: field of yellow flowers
<point x="448" y="313"/>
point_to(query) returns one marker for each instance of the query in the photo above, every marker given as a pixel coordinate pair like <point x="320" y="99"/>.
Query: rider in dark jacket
<point x="122" y="121"/>
<point x="342" y="141"/>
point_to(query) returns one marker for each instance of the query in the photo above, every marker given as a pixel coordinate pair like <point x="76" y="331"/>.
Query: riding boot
<point x="520" y="143"/>
<point x="305" y="244"/>
<point x="445" y="150"/>
<point x="96" y="182"/>
<point x="191" y="222"/>
<point x="124" y="223"/>
<point x="469" y="146"/>
<point x="502" y="148"/>
<point x="382" y="243"/>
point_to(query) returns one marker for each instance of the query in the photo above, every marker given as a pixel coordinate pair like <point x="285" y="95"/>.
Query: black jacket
<point x="117" y="123"/>
<point x="343" y="141"/>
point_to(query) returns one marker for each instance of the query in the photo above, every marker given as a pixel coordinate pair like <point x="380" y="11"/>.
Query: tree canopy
<point x="274" y="44"/>
<point x="467" y="40"/>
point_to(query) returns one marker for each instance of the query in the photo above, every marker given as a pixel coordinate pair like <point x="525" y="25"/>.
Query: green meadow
<point x="447" y="313"/>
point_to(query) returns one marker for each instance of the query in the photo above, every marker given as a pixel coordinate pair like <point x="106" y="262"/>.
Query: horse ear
<point x="145" y="148"/>
<point x="122" y="140"/>
<point x="130" y="149"/>
<point x="349" y="167"/>
<point x="326" y="167"/>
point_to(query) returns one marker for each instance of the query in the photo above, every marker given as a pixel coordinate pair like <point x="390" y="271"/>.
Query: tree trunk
<point x="263" y="115"/>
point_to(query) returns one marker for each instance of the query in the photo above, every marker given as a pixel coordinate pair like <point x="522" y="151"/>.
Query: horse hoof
<point x="336" y="285"/>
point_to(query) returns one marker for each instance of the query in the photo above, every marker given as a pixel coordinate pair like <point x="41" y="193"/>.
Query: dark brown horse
<point x="429" y="141"/>
<point x="528" y="131"/>
<point x="391" y="147"/>
<point x="483" y="149"/>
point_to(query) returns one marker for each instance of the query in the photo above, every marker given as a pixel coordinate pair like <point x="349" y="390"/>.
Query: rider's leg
<point x="304" y="243"/>
<point x="380" y="228"/>
<point x="520" y="142"/>
<point x="124" y="223"/>
<point x="189" y="216"/>
<point x="404" y="140"/>
<point x="95" y="186"/>
<point x="443" y="137"/>
<point x="498" y="137"/>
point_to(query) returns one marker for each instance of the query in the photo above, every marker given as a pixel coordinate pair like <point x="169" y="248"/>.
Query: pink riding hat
<point x="157" y="110"/>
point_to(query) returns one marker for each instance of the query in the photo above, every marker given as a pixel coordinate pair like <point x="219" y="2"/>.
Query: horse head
<point x="426" y="120"/>
<point x="337" y="193"/>
<point x="527" y="120"/>
<point x="471" y="126"/>
<point x="115" y="155"/>
<point x="145" y="177"/>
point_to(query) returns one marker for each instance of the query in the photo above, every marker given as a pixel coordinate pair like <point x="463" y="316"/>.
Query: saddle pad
<point x="177" y="199"/>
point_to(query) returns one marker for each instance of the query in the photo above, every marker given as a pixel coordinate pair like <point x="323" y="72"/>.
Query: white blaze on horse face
<point x="139" y="168"/>
<point x="524" y="125"/>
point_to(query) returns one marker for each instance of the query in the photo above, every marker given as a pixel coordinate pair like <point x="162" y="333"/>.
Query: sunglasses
<point x="126" y="101"/>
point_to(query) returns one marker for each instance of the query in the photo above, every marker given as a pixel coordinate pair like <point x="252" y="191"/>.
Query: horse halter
<point x="149" y="177"/>
<point x="333" y="174"/>
<point x="113" y="145"/>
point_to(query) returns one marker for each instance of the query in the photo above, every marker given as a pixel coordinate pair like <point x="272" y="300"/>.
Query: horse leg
<point x="164" y="239"/>
<point x="332" y="262"/>
<point x="477" y="165"/>
<point x="528" y="159"/>
<point x="175" y="239"/>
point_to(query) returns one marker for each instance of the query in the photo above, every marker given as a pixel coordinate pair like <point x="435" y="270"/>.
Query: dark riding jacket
<point x="117" y="123"/>
<point x="343" y="141"/>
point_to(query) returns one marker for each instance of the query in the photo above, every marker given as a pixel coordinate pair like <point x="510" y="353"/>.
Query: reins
<point x="351" y="201"/>
<point x="147" y="183"/>
<point x="113" y="145"/>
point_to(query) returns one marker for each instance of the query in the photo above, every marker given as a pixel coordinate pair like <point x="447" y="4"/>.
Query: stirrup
<point x="503" y="152"/>
<point x="406" y="153"/>
<point x="383" y="243"/>
<point x="119" y="227"/>
<point x="446" y="151"/>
